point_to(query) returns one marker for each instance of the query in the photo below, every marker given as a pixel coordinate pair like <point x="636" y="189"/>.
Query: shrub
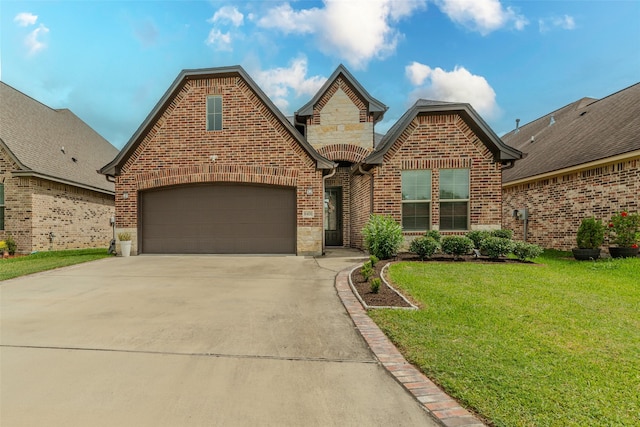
<point x="503" y="234"/>
<point x="11" y="245"/>
<point x="524" y="251"/>
<point x="124" y="236"/>
<point x="375" y="285"/>
<point x="424" y="247"/>
<point x="434" y="234"/>
<point x="366" y="270"/>
<point x="373" y="260"/>
<point x="496" y="247"/>
<point x="3" y="246"/>
<point x="382" y="236"/>
<point x="623" y="229"/>
<point x="457" y="245"/>
<point x="478" y="236"/>
<point x="590" y="234"/>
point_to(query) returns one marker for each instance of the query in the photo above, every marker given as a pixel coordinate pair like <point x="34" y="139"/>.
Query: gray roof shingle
<point x="35" y="134"/>
<point x="584" y="131"/>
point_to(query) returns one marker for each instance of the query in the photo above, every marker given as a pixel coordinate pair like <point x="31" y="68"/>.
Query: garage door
<point x="218" y="219"/>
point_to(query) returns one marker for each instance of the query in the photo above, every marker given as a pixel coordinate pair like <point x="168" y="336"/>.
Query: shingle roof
<point x="501" y="152"/>
<point x="113" y="167"/>
<point x="34" y="134"/>
<point x="376" y="107"/>
<point x="584" y="131"/>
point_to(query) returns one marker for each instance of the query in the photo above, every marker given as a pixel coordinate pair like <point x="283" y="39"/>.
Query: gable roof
<point x="34" y="135"/>
<point x="501" y="152"/>
<point x="376" y="107"/>
<point x="584" y="131"/>
<point x="113" y="168"/>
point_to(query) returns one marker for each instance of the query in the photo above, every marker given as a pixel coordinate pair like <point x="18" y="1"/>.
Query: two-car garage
<point x="218" y="218"/>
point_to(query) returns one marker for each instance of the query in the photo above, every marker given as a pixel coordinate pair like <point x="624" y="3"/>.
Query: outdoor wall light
<point x="309" y="191"/>
<point x="125" y="195"/>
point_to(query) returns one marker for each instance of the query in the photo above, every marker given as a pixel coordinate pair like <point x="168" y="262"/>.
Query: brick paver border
<point x="437" y="403"/>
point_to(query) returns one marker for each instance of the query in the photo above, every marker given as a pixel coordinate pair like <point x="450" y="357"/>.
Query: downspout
<point x="324" y="183"/>
<point x="364" y="172"/>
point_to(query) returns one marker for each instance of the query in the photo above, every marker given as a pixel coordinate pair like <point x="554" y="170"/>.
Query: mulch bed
<point x="387" y="297"/>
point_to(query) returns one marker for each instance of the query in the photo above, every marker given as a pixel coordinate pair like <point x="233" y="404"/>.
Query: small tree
<point x="457" y="245"/>
<point x="382" y="236"/>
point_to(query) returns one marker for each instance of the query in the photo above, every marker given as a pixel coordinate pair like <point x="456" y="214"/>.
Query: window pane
<point x="415" y="216"/>
<point x="454" y="215"/>
<point x="416" y="185"/>
<point x="454" y="184"/>
<point x="214" y="112"/>
<point x="1" y="218"/>
<point x="1" y="194"/>
<point x="217" y="122"/>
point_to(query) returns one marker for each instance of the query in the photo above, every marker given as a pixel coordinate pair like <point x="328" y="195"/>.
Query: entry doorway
<point x="333" y="216"/>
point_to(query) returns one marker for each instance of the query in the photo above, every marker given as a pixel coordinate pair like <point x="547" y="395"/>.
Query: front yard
<point x="553" y="343"/>
<point x="41" y="261"/>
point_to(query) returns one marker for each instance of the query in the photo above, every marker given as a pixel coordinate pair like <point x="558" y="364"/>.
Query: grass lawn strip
<point x="42" y="261"/>
<point x="552" y="344"/>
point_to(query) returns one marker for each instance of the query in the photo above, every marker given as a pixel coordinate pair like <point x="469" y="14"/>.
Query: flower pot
<point x="585" y="254"/>
<point x="125" y="248"/>
<point x="625" y="252"/>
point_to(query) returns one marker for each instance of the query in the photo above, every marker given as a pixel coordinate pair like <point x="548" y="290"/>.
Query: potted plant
<point x="589" y="239"/>
<point x="623" y="232"/>
<point x="125" y="243"/>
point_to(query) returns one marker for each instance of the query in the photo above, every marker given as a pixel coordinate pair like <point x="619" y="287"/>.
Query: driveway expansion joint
<point x="442" y="408"/>
<point x="198" y="354"/>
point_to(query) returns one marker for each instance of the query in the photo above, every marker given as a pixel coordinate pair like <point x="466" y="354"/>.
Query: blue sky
<point x="111" y="61"/>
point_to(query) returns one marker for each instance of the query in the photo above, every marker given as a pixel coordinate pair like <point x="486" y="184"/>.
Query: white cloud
<point x="228" y="14"/>
<point x="355" y="31"/>
<point x="279" y="83"/>
<point x="565" y="22"/>
<point x="458" y="85"/>
<point x="484" y="16"/>
<point x="219" y="40"/>
<point x="33" y="40"/>
<point x="25" y="19"/>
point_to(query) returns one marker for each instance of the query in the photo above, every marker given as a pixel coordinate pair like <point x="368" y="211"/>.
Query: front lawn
<point x="41" y="261"/>
<point x="550" y="344"/>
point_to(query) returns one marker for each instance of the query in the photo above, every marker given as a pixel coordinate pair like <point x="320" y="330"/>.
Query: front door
<point x="333" y="216"/>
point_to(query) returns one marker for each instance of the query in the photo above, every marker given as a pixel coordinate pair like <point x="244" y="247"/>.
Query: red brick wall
<point x="360" y="207"/>
<point x="440" y="142"/>
<point x="253" y="147"/>
<point x="557" y="205"/>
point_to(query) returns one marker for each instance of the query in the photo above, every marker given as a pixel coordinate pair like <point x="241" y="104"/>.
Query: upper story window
<point x="454" y="199"/>
<point x="416" y="200"/>
<point x="1" y="206"/>
<point x="214" y="112"/>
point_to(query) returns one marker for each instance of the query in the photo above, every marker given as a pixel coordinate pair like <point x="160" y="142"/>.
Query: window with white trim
<point x="454" y="199"/>
<point x="416" y="200"/>
<point x="214" y="112"/>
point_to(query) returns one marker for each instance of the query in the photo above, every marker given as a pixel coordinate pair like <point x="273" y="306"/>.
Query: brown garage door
<point x="218" y="219"/>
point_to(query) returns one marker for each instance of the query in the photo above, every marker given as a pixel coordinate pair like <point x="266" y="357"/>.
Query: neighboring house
<point x="51" y="194"/>
<point x="580" y="161"/>
<point x="217" y="168"/>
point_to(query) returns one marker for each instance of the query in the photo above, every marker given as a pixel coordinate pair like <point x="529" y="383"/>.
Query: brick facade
<point x="557" y="204"/>
<point x="35" y="207"/>
<point x="439" y="142"/>
<point x="253" y="147"/>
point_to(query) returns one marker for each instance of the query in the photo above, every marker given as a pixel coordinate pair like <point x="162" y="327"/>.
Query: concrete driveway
<point x="190" y="341"/>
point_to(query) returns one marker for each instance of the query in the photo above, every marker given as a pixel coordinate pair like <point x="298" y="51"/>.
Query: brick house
<point x="51" y="195"/>
<point x="217" y="168"/>
<point x="581" y="160"/>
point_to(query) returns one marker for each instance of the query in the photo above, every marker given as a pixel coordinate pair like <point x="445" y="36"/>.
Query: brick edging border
<point x="437" y="403"/>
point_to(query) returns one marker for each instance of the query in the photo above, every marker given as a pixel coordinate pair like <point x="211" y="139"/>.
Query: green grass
<point x="550" y="344"/>
<point x="41" y="261"/>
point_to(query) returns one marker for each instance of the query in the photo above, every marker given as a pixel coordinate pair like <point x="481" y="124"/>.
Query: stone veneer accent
<point x="558" y="204"/>
<point x="253" y="147"/>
